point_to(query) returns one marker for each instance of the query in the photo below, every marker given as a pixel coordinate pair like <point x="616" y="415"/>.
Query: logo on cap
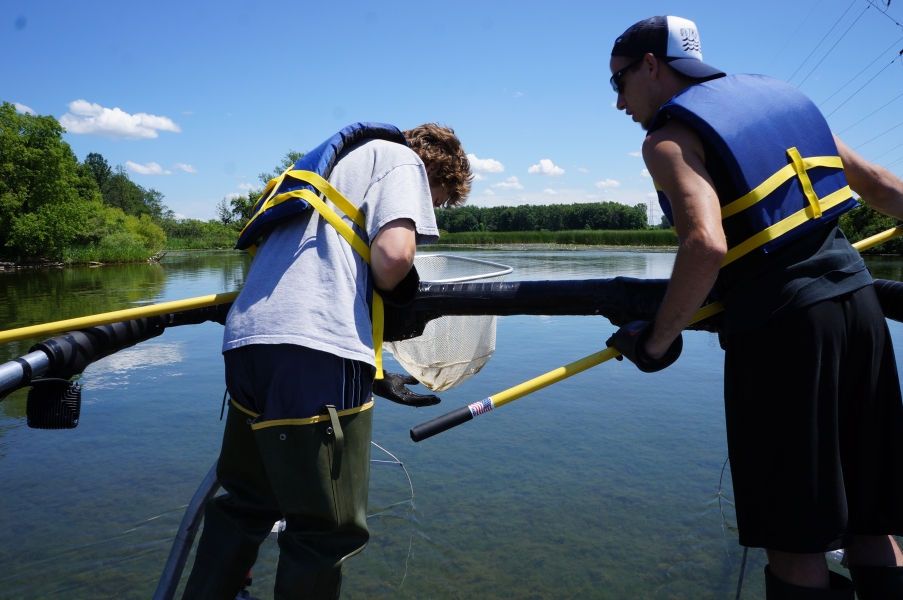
<point x="690" y="39"/>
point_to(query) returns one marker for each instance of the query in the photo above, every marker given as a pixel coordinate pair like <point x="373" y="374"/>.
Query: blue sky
<point x="197" y="99"/>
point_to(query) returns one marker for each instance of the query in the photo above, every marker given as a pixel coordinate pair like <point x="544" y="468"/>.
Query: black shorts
<point x="815" y="427"/>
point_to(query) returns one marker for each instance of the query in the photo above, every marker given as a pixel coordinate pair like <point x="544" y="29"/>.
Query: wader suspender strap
<point x="344" y="230"/>
<point x="339" y="437"/>
<point x="796" y="168"/>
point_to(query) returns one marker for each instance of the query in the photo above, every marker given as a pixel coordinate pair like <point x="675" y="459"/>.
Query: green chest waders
<point x="316" y="475"/>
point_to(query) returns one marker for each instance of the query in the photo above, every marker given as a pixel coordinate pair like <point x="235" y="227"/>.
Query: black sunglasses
<point x="615" y="80"/>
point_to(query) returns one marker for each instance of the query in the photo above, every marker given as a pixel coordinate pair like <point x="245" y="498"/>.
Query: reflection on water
<point x="603" y="486"/>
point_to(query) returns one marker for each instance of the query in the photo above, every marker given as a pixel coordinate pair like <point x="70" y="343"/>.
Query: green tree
<point x="223" y="212"/>
<point x="46" y="199"/>
<point x="290" y="158"/>
<point x="865" y="222"/>
<point x="99" y="167"/>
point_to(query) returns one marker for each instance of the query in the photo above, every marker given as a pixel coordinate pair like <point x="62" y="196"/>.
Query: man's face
<point x="636" y="91"/>
<point x="438" y="194"/>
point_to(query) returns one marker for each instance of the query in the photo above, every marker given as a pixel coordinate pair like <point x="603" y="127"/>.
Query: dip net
<point x="451" y="349"/>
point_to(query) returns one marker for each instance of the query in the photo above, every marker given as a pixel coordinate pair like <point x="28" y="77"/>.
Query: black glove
<point x="392" y="387"/>
<point x="630" y="339"/>
<point x="404" y="292"/>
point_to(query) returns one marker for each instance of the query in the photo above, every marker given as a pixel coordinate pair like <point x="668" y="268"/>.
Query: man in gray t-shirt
<point x="299" y="356"/>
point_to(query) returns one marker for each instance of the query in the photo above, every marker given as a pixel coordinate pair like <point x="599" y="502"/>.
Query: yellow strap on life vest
<point x="797" y="168"/>
<point x="777" y="180"/>
<point x="343" y="229"/>
<point x="800" y="170"/>
<point x="785" y="225"/>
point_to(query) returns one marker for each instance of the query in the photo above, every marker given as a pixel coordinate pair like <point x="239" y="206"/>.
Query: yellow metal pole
<point x="461" y="415"/>
<point x="152" y="310"/>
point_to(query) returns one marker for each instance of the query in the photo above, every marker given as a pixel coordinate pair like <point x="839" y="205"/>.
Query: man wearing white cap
<point x="753" y="181"/>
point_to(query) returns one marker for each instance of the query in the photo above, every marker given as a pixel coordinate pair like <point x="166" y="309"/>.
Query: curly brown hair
<point x="439" y="147"/>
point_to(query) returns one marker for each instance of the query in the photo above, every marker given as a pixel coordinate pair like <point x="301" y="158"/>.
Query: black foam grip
<point x="440" y="424"/>
<point x="890" y="295"/>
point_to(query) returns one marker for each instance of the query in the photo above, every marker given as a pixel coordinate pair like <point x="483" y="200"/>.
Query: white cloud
<point x="150" y="168"/>
<point x="184" y="167"/>
<point x="652" y="195"/>
<point x="479" y="177"/>
<point x="608" y="183"/>
<point x="485" y="165"/>
<point x="509" y="184"/>
<point x="545" y="167"/>
<point x="93" y="119"/>
<point x="233" y="195"/>
<point x="245" y="186"/>
<point x="187" y="112"/>
<point x="488" y="192"/>
<point x="634" y="154"/>
<point x="26" y="110"/>
<point x="645" y="173"/>
<point x="582" y="170"/>
<point x="614" y="104"/>
<point x="592" y="196"/>
<point x="549" y="192"/>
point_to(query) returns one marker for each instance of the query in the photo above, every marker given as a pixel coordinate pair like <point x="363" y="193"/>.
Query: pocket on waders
<point x="319" y="468"/>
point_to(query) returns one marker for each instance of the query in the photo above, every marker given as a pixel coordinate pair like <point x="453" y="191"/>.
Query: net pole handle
<point x="440" y="424"/>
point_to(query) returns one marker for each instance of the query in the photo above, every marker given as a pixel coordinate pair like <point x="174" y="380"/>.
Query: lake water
<point x="603" y="486"/>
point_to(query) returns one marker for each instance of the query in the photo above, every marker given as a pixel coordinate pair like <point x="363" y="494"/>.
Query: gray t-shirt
<point x="307" y="285"/>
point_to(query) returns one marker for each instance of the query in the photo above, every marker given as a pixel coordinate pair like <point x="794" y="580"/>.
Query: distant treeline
<point x="552" y="217"/>
<point x="53" y="207"/>
<point x="584" y="237"/>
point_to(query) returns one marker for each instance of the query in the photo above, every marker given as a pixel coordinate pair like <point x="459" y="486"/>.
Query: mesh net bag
<point x="451" y="349"/>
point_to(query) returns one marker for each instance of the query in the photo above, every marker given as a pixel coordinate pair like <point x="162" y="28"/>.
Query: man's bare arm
<point x="674" y="157"/>
<point x="392" y="253"/>
<point x="880" y="188"/>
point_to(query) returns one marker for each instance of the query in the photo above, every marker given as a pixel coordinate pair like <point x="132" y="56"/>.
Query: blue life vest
<point x="780" y="155"/>
<point x="321" y="161"/>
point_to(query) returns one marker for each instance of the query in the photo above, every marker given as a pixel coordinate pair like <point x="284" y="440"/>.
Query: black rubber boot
<point x="775" y="589"/>
<point x="874" y="583"/>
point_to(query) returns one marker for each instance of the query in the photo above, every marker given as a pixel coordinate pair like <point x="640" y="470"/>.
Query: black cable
<point x="877" y="136"/>
<point x="884" y="12"/>
<point x="885" y="152"/>
<point x="860" y="72"/>
<point x="869" y="115"/>
<point x="834" y="46"/>
<point x="793" y="35"/>
<point x="822" y="40"/>
<point x="863" y="85"/>
<point x="742" y="569"/>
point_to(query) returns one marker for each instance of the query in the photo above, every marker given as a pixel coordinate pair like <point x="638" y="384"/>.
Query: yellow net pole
<point x="461" y="415"/>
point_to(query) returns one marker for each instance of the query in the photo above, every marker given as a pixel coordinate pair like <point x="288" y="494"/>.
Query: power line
<point x="822" y="40"/>
<point x="834" y="46"/>
<point x="883" y="52"/>
<point x="877" y="136"/>
<point x="869" y="115"/>
<point x="865" y="84"/>
<point x="793" y="35"/>
<point x="884" y="12"/>
<point x="886" y="152"/>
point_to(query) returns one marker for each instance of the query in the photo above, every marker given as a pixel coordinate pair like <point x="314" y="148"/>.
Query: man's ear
<point x="652" y="66"/>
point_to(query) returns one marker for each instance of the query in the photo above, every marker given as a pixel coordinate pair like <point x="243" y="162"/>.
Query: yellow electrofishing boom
<point x="467" y="413"/>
